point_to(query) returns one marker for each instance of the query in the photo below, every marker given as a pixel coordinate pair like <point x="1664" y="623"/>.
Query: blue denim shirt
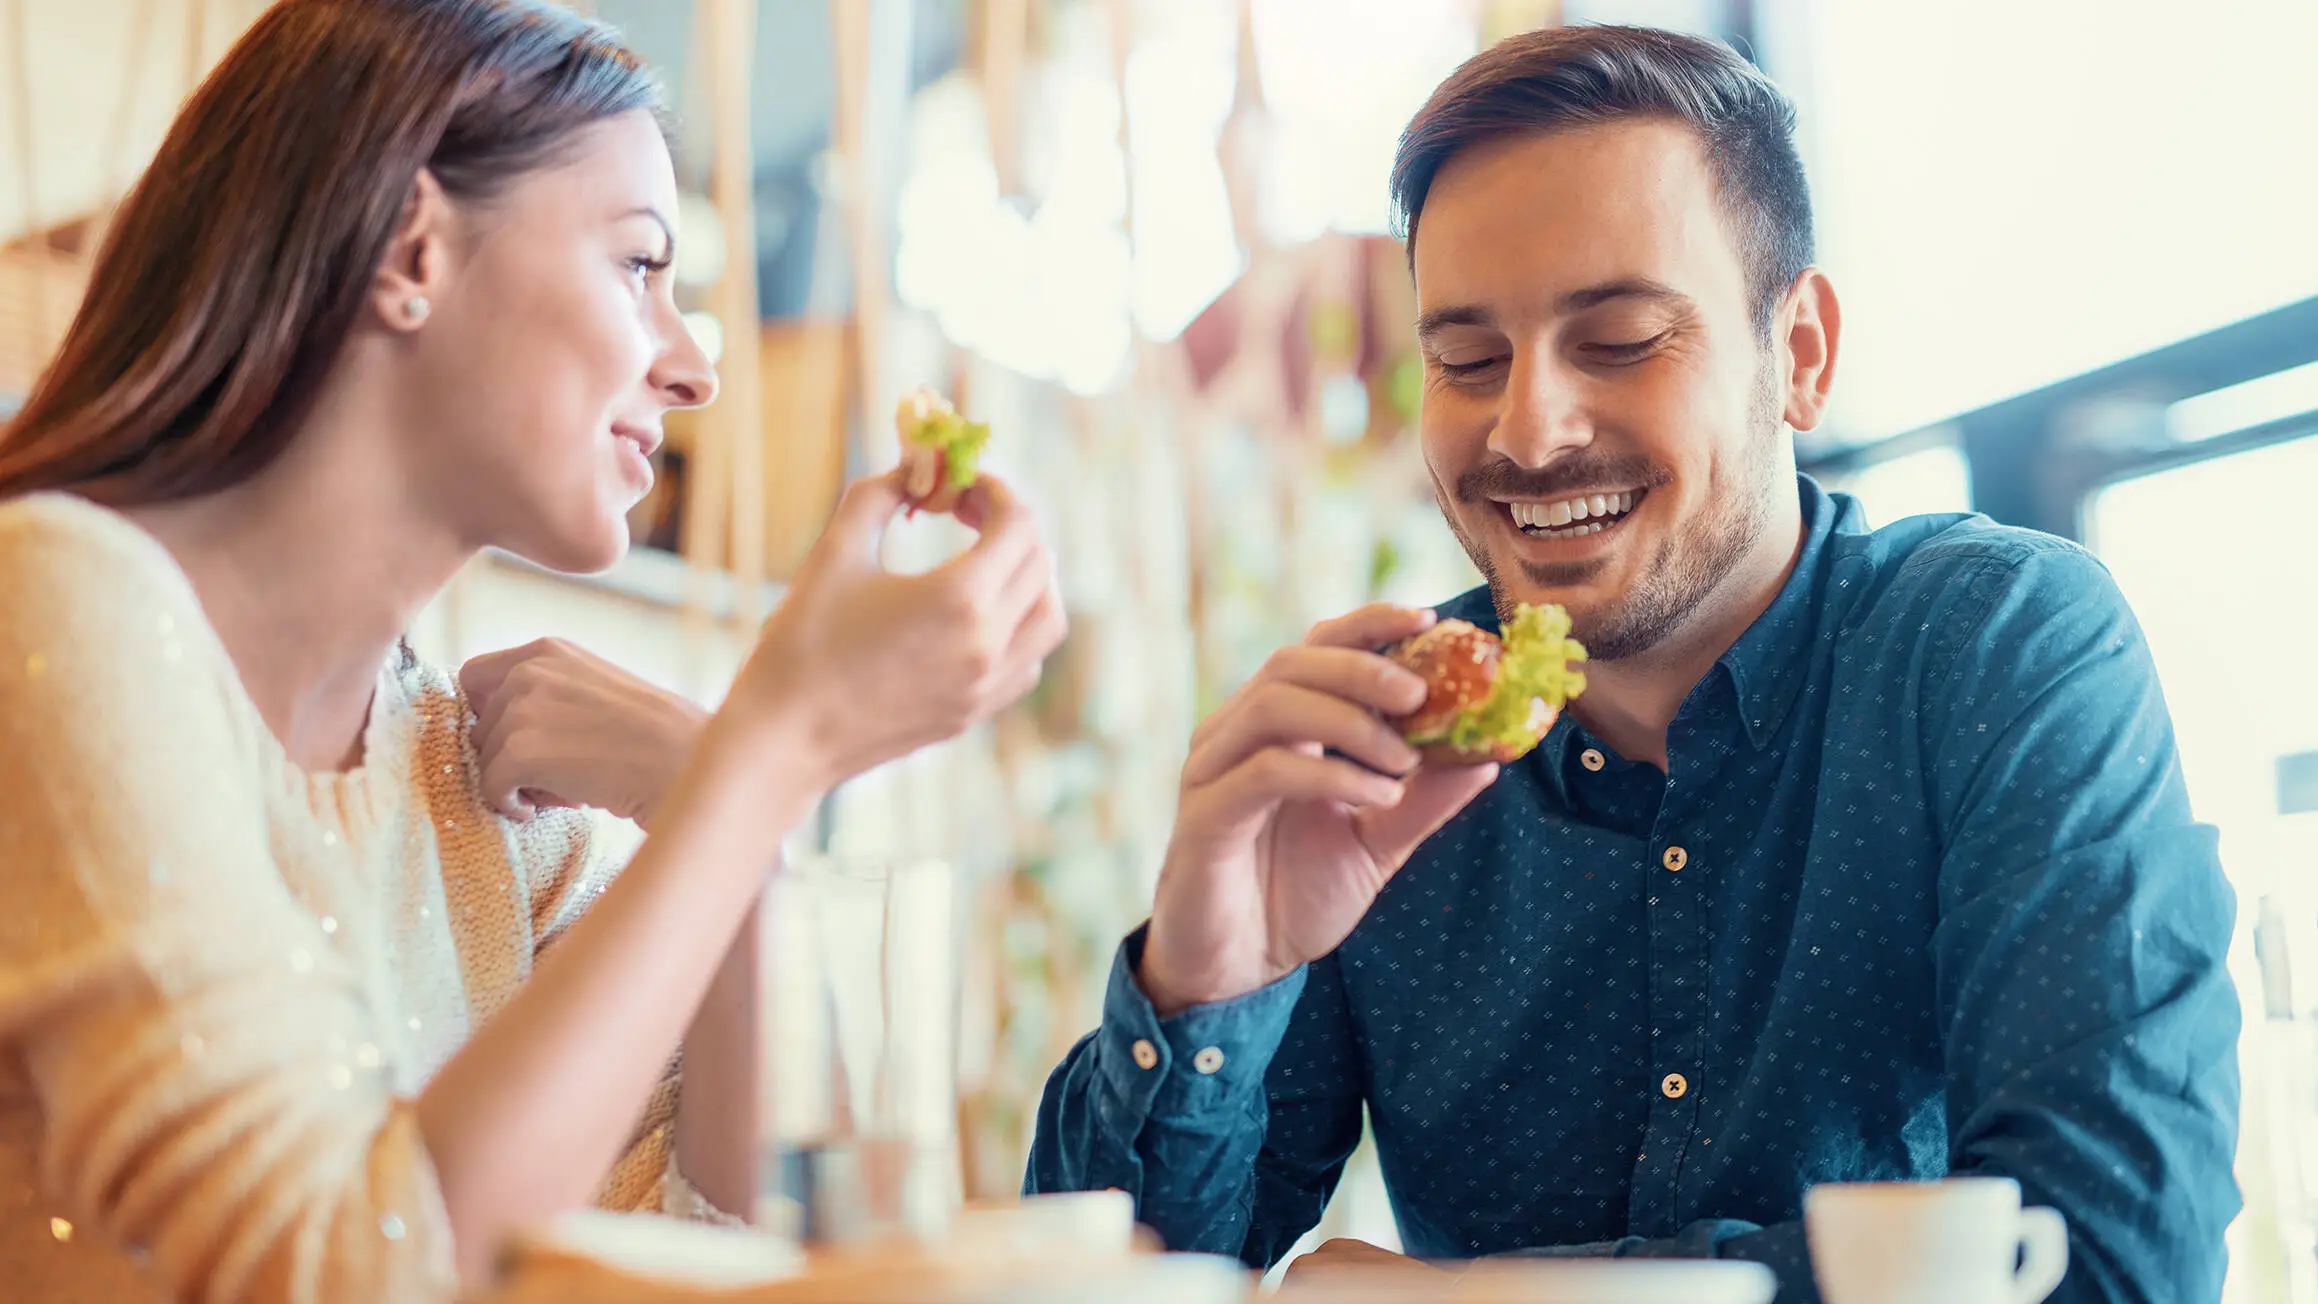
<point x="1920" y="893"/>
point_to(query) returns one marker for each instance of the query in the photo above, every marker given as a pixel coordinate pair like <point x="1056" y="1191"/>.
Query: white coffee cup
<point x="1962" y="1241"/>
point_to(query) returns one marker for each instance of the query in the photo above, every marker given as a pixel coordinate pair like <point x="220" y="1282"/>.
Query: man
<point x="1865" y="855"/>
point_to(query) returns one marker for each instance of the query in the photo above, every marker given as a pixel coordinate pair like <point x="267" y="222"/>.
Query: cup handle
<point x="2043" y="1254"/>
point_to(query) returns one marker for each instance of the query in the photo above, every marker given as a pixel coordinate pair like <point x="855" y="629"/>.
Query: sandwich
<point x="1490" y="698"/>
<point x="941" y="451"/>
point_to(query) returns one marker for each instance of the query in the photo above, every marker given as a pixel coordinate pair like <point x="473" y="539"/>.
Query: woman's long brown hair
<point x="239" y="264"/>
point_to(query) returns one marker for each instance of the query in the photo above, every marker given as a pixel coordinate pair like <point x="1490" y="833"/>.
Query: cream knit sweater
<point x="222" y="979"/>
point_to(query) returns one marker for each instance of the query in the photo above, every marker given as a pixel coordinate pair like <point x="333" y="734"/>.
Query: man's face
<point x="1601" y="417"/>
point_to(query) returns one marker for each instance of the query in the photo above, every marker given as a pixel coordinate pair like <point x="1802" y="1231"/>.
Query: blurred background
<point x="2076" y="240"/>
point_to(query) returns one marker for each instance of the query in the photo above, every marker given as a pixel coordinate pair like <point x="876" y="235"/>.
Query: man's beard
<point x="1690" y="563"/>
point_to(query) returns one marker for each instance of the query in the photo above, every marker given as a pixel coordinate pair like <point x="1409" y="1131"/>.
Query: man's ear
<point x="1811" y="327"/>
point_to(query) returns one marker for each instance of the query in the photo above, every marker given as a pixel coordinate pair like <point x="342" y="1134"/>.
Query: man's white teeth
<point x="1556" y="516"/>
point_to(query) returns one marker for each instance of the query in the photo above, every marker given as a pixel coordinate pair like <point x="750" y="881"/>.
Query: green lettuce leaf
<point x="961" y="443"/>
<point x="1539" y="665"/>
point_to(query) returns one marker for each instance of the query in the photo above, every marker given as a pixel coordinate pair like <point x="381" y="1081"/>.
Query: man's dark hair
<point x="1564" y="77"/>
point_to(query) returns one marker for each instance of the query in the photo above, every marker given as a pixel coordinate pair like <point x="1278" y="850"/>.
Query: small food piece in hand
<point x="941" y="452"/>
<point x="1490" y="699"/>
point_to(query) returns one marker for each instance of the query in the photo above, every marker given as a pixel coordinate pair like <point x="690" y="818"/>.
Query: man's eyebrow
<point x="1458" y="314"/>
<point x="1630" y="287"/>
<point x="1576" y="301"/>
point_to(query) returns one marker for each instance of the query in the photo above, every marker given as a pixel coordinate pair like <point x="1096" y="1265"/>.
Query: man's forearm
<point x="1172" y="1112"/>
<point x="1191" y="1179"/>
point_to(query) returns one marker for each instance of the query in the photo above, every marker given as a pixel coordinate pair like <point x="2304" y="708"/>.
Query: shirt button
<point x="1590" y="759"/>
<point x="1208" y="1060"/>
<point x="1675" y="858"/>
<point x="1146" y="1055"/>
<point x="1675" y="1086"/>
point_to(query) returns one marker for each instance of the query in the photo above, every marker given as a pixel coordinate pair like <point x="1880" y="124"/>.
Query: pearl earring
<point x="415" y="308"/>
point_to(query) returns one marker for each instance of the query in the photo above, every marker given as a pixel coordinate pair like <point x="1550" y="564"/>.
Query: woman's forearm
<point x="716" y="1114"/>
<point x="523" y="1122"/>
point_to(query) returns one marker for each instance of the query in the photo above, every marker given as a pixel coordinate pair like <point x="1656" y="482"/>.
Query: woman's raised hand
<point x="874" y="665"/>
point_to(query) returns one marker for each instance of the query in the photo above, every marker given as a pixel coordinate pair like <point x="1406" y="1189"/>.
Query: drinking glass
<point x="858" y="978"/>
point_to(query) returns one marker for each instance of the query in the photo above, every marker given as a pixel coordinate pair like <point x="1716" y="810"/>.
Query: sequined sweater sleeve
<point x="176" y="1015"/>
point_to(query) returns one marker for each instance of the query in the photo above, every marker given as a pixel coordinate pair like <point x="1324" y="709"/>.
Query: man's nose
<point x="1541" y="417"/>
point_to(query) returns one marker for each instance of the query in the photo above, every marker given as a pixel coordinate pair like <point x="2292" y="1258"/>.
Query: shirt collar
<point x="1771" y="662"/>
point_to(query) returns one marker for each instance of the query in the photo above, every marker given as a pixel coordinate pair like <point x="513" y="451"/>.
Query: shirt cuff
<point x="1204" y="1059"/>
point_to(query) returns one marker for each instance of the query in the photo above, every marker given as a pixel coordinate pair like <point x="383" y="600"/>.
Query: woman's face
<point x="550" y="351"/>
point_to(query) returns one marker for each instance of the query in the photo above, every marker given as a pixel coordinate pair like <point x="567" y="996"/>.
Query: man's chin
<point x="1576" y="585"/>
<point x="1598" y="620"/>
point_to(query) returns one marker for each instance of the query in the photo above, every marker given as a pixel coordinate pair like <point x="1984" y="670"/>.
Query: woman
<point x="271" y="1028"/>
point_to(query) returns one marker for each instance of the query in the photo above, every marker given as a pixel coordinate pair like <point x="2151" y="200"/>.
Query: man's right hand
<point x="1279" y="848"/>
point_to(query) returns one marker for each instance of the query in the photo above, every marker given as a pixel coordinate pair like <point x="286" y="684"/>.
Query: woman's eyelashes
<point x="646" y="266"/>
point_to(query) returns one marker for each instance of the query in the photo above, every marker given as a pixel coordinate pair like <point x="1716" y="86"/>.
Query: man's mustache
<point x="1501" y="478"/>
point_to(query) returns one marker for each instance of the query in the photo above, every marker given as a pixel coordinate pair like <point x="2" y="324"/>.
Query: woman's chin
<point x="580" y="552"/>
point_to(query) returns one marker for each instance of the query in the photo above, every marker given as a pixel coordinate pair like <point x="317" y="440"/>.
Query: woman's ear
<point x="410" y="276"/>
